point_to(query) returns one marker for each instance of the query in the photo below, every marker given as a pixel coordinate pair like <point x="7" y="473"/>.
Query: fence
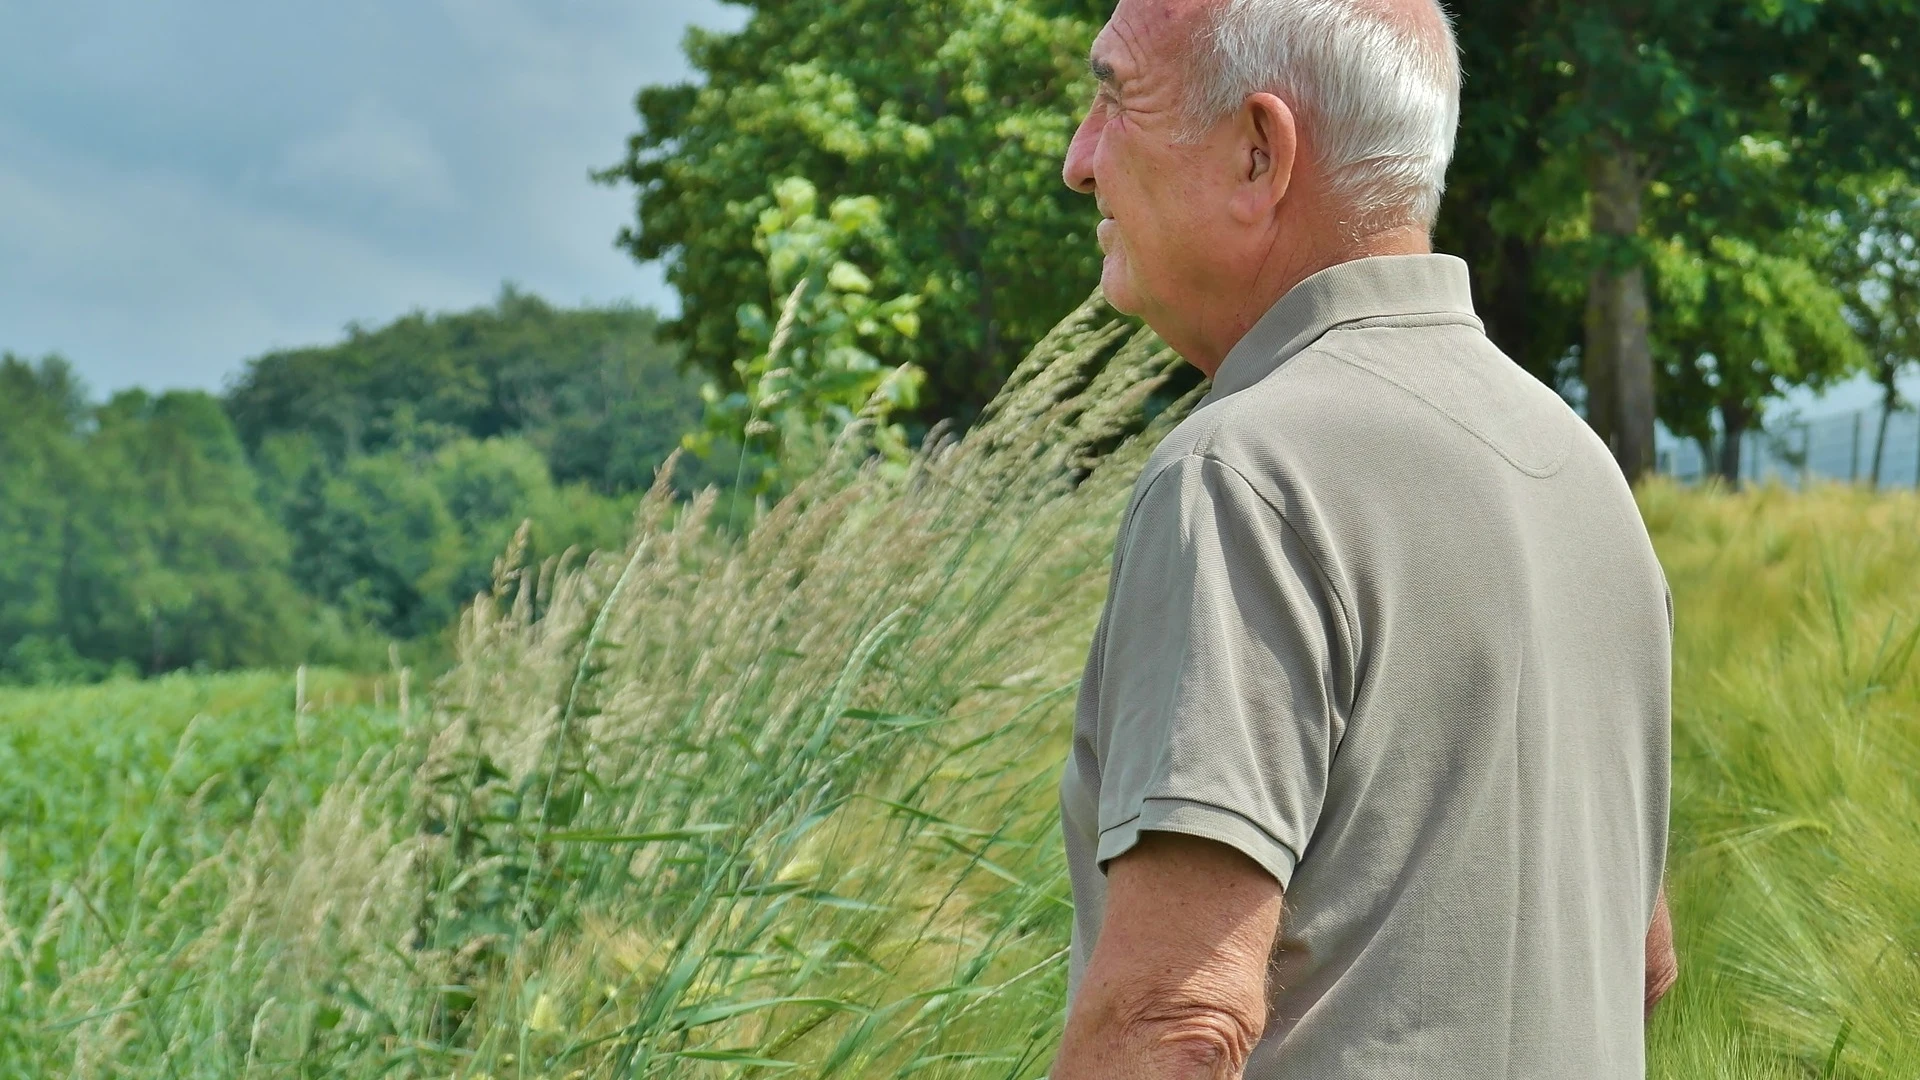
<point x="1837" y="447"/>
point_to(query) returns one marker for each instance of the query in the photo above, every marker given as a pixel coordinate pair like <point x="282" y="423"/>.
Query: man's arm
<point x="1176" y="988"/>
<point x="1663" y="967"/>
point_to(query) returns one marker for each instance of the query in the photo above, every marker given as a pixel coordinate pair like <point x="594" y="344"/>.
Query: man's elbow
<point x="1197" y="1040"/>
<point x="1662" y="973"/>
<point x="1663" y="966"/>
<point x="1212" y="1046"/>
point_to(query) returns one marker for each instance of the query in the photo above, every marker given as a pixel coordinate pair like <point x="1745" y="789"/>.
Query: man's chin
<point x="1116" y="284"/>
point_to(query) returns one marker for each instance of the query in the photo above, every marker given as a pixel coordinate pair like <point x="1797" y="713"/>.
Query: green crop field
<point x="784" y="805"/>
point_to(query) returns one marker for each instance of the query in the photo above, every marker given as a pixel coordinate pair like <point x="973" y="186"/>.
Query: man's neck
<point x="1208" y="346"/>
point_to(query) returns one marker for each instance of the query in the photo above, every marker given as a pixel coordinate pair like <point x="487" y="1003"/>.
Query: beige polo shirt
<point x="1384" y="617"/>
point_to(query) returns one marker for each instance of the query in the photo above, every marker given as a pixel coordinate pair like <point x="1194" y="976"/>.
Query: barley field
<point x="783" y="804"/>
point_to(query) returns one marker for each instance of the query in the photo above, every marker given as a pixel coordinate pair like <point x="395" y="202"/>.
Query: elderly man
<point x="1369" y="773"/>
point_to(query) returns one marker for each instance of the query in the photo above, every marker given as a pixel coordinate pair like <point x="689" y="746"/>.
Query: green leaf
<point x="598" y="836"/>
<point x="735" y="1057"/>
<point x="709" y="1014"/>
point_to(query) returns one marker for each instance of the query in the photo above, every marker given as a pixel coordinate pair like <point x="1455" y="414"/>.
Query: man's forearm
<point x="1176" y="987"/>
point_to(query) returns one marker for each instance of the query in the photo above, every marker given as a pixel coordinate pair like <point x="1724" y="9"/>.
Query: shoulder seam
<point x="1125" y="539"/>
<point x="1326" y="579"/>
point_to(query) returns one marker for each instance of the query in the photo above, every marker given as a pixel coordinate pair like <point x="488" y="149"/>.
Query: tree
<point x="132" y="535"/>
<point x="953" y="114"/>
<point x="1740" y="325"/>
<point x="154" y="532"/>
<point x="488" y="483"/>
<point x="1514" y="210"/>
<point x="377" y="541"/>
<point x="492" y="486"/>
<point x="489" y="487"/>
<point x="1581" y="119"/>
<point x="594" y="389"/>
<point x="42" y="465"/>
<point x="1876" y="260"/>
<point x="810" y="375"/>
<point x="399" y="541"/>
<point x="193" y="571"/>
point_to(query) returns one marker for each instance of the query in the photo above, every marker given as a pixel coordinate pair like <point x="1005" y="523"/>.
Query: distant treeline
<point x="333" y="500"/>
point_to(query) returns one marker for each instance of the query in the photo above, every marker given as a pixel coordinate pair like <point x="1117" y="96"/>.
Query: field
<point x="784" y="806"/>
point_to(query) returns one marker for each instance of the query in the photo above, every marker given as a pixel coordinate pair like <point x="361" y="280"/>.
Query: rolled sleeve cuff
<point x="1204" y="820"/>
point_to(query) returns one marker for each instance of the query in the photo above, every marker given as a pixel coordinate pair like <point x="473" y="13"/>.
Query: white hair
<point x="1379" y="96"/>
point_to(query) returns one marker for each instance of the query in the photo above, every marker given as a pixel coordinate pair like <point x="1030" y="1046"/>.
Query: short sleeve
<point x="1215" y="714"/>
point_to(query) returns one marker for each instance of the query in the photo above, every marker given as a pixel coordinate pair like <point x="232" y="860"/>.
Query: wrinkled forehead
<point x="1144" y="35"/>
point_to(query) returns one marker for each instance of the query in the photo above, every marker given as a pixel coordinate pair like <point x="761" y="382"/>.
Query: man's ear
<point x="1266" y="146"/>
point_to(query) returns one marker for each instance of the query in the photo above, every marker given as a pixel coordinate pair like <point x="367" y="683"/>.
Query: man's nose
<point x="1077" y="170"/>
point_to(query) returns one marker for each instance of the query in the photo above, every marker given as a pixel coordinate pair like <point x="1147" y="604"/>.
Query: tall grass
<point x="122" y="800"/>
<point x="694" y="807"/>
<point x="785" y="804"/>
<point x="1796" y="861"/>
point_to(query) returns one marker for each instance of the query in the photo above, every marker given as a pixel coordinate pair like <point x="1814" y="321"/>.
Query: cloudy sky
<point x="187" y="184"/>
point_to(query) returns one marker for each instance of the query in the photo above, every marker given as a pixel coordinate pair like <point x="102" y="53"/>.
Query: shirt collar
<point x="1379" y="287"/>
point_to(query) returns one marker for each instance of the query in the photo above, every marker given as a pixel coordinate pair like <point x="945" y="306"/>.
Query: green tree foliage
<point x="492" y="486"/>
<point x="399" y="541"/>
<point x="403" y="460"/>
<point x="812" y="373"/>
<point x="1586" y="126"/>
<point x="42" y="463"/>
<point x="1593" y="138"/>
<point x="338" y="499"/>
<point x="204" y="578"/>
<point x="377" y="541"/>
<point x="953" y="114"/>
<point x="489" y="485"/>
<point x="1876" y="259"/>
<point x="593" y="389"/>
<point x="1741" y="325"/>
<point x="132" y="536"/>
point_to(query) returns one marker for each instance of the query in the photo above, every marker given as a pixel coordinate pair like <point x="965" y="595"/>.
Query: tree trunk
<point x="1888" y="377"/>
<point x="1617" y="360"/>
<point x="1735" y="418"/>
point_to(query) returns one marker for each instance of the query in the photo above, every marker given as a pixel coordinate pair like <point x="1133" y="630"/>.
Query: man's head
<point x="1238" y="146"/>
